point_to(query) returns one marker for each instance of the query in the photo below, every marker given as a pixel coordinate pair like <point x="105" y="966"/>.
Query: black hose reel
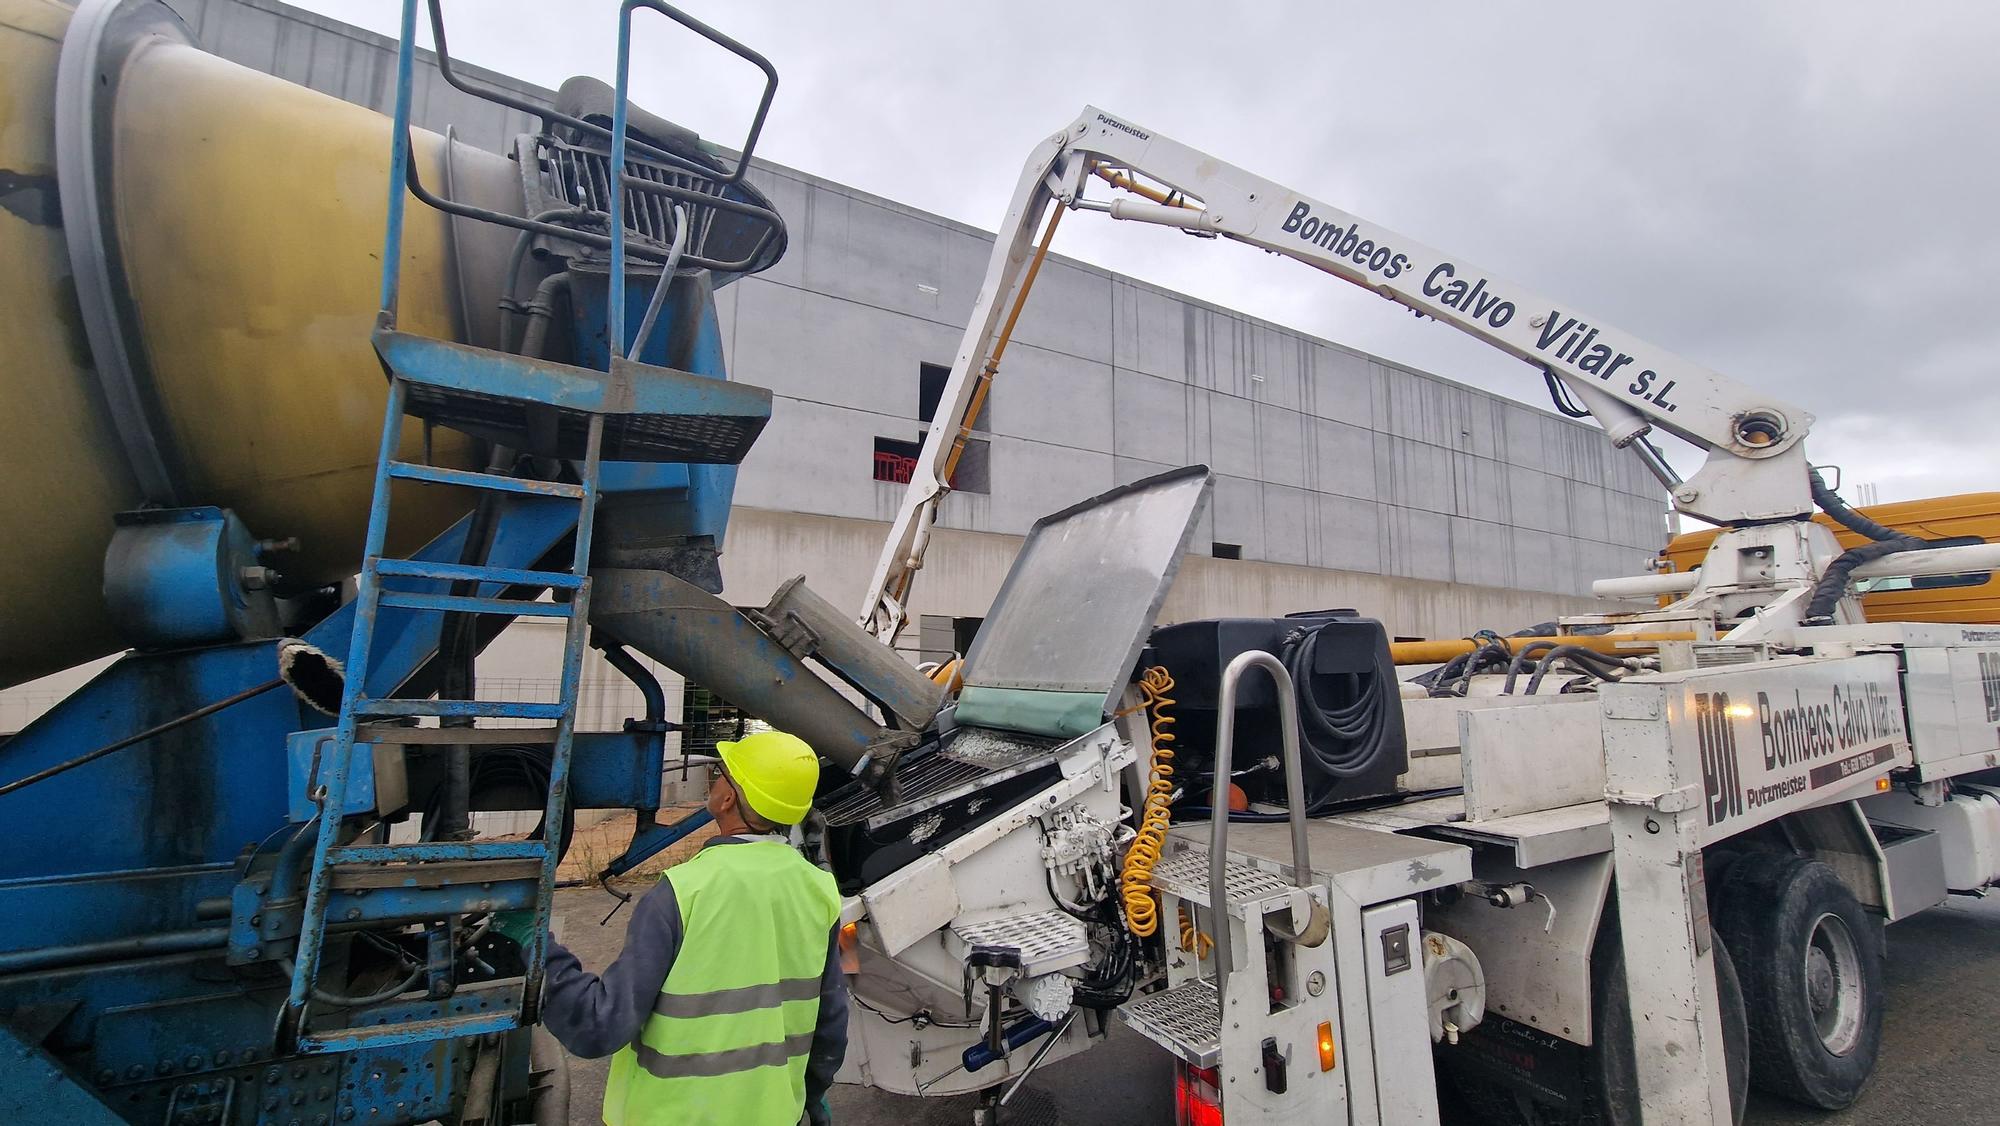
<point x="1351" y="736"/>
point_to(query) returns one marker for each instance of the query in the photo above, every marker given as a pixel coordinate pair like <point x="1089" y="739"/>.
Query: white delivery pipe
<point x="1904" y="564"/>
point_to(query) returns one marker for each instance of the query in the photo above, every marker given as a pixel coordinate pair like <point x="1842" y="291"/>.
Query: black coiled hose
<point x="1832" y="586"/>
<point x="1351" y="739"/>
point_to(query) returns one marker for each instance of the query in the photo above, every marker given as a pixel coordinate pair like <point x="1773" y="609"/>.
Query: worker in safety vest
<point x="727" y="1005"/>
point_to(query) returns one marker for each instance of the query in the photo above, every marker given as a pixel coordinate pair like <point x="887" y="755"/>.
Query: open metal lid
<point x="1079" y="602"/>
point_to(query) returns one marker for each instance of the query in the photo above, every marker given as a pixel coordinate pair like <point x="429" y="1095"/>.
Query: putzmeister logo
<point x="1716" y="738"/>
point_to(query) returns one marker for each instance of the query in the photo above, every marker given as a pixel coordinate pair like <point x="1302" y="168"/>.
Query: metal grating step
<point x="1048" y="940"/>
<point x="1185" y="1020"/>
<point x="544" y="408"/>
<point x="1186" y="874"/>
<point x="973" y="760"/>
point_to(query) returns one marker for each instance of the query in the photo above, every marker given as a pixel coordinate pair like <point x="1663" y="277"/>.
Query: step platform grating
<point x="651" y="414"/>
<point x="1185" y="1020"/>
<point x="1048" y="940"/>
<point x="1185" y="874"/>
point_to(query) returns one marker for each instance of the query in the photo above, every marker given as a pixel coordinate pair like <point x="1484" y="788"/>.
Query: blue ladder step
<point x="439" y="851"/>
<point x="464" y="572"/>
<point x="474" y="709"/>
<point x="440" y="1028"/>
<point x="465" y="478"/>
<point x="650" y="413"/>
<point x="473" y="604"/>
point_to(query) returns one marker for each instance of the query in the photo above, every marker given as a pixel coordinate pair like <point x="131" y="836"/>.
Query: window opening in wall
<point x="963" y="630"/>
<point x="1227" y="550"/>
<point x="895" y="461"/>
<point x="931" y="379"/>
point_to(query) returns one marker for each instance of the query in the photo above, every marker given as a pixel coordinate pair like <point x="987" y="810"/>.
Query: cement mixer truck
<point x="304" y="405"/>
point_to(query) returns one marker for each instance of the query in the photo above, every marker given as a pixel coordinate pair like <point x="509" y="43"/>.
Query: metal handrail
<point x="620" y="105"/>
<point x="1295" y="797"/>
<point x="404" y="180"/>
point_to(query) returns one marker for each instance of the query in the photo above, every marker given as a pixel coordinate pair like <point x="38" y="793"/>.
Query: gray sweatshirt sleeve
<point x="829" y="1045"/>
<point x="594" y="1016"/>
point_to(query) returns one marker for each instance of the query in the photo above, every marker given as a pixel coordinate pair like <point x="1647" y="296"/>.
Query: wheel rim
<point x="1833" y="984"/>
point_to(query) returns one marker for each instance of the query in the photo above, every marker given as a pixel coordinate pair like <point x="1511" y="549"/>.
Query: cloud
<point x="1798" y="196"/>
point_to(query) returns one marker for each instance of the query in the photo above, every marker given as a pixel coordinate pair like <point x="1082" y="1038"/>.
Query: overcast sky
<point x="1799" y="195"/>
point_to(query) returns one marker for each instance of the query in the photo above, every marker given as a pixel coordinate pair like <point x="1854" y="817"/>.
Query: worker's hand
<point x="818" y="1113"/>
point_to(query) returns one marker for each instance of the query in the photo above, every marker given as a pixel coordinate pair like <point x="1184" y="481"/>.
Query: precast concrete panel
<point x="1350" y="534"/>
<point x="1524" y="438"/>
<point x="1238" y="510"/>
<point x="1030" y="480"/>
<point x="1280" y="443"/>
<point x="1125" y="470"/>
<point x="796" y="200"/>
<point x="1052" y="397"/>
<point x="1232" y="435"/>
<point x="1481" y="488"/>
<point x="1538" y="562"/>
<point x="1149" y="418"/>
<point x="866" y="252"/>
<point x="817" y="457"/>
<point x="1069" y="310"/>
<point x="1417" y="543"/>
<point x="1537" y="500"/>
<point x="1414" y="474"/>
<point x="1149" y="330"/>
<point x="1589" y="518"/>
<point x="1343" y="459"/>
<point x="1342" y="385"/>
<point x="1483" y="552"/>
<point x="1289" y="516"/>
<point x="813" y="346"/>
<point x="1264" y="363"/>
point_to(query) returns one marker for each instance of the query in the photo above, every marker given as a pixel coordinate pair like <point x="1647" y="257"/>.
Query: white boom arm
<point x="1755" y="469"/>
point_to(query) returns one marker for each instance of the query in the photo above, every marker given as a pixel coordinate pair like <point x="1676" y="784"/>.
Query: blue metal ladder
<point x="633" y="412"/>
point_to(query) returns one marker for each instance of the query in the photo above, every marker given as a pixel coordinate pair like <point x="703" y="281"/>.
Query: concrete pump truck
<point x="1441" y="881"/>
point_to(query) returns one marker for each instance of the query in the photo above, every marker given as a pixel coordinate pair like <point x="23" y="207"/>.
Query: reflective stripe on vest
<point x="731" y="1029"/>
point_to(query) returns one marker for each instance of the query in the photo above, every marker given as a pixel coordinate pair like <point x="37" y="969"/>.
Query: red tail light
<point x="1197" y="1096"/>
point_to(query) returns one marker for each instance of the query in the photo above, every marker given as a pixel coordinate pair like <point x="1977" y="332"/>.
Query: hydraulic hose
<point x="1142" y="911"/>
<point x="1854" y="521"/>
<point x="1832" y="585"/>
<point x="1349" y="740"/>
<point x="1519" y="664"/>
<point x="1598" y="664"/>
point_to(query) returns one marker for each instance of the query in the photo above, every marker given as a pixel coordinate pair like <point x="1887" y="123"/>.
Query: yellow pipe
<point x="992" y="367"/>
<point x="985" y="382"/>
<point x="1438" y="652"/>
<point x="1119" y="179"/>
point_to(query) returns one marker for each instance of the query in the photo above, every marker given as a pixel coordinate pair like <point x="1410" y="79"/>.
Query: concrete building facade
<point x="1343" y="479"/>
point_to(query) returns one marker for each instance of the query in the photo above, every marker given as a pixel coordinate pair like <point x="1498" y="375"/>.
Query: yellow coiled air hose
<point x="1192" y="940"/>
<point x="1142" y="911"/>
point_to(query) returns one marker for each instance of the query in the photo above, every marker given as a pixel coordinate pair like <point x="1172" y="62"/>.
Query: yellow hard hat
<point x="776" y="772"/>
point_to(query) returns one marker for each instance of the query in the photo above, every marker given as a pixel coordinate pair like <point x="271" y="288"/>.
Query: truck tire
<point x="1612" y="1079"/>
<point x="1609" y="1071"/>
<point x="1812" y="975"/>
